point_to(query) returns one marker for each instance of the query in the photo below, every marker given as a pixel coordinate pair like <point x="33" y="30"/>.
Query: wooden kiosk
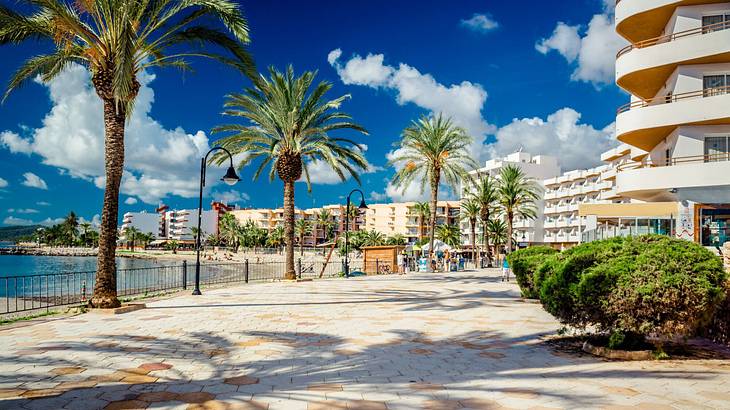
<point x="381" y="259"/>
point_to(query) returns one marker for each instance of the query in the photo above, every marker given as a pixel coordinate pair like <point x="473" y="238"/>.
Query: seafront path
<point x="433" y="341"/>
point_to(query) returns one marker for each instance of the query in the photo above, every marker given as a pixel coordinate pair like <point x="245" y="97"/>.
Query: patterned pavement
<point x="449" y="341"/>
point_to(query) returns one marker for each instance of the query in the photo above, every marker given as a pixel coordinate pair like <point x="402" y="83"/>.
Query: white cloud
<point x="565" y="40"/>
<point x="321" y="173"/>
<point x="593" y="54"/>
<point x="3" y="183"/>
<point x="23" y="211"/>
<point x="158" y="161"/>
<point x="130" y="201"/>
<point x="34" y="181"/>
<point x="14" y="143"/>
<point x="95" y="221"/>
<point x="43" y="203"/>
<point x="377" y="196"/>
<point x="13" y="221"/>
<point x="561" y="135"/>
<point x="230" y="197"/>
<point x="480" y="22"/>
<point x="462" y="102"/>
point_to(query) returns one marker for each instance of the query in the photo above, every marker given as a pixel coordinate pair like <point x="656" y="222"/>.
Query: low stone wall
<point x="48" y="251"/>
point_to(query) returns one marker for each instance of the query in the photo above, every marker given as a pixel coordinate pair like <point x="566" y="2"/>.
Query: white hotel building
<point x="677" y="70"/>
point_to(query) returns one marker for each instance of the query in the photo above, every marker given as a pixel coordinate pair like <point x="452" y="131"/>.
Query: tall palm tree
<point x="422" y="211"/>
<point x="131" y="233"/>
<point x="471" y="211"/>
<point x="432" y="149"/>
<point x="229" y="230"/>
<point x="323" y="221"/>
<point x="449" y="234"/>
<point x="275" y="237"/>
<point x="497" y="230"/>
<point x="289" y="123"/>
<point x="485" y="193"/>
<point x="374" y="238"/>
<point x="302" y="227"/>
<point x="116" y="40"/>
<point x="85" y="228"/>
<point x="518" y="195"/>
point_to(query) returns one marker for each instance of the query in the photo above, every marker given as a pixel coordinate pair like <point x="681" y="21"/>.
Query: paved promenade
<point x="423" y="341"/>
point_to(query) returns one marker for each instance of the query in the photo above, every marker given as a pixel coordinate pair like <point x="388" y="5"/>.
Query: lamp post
<point x="229" y="178"/>
<point x="347" y="227"/>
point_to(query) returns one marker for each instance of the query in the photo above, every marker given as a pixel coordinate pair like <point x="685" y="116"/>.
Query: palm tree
<point x="145" y="239"/>
<point x="302" y="227"/>
<point x="449" y="234"/>
<point x="85" y="228"/>
<point x="116" y="40"/>
<point x="323" y="221"/>
<point x="518" y="195"/>
<point x="496" y="228"/>
<point x="373" y="238"/>
<point x="172" y="245"/>
<point x="432" y="149"/>
<point x="397" y="239"/>
<point x="485" y="193"/>
<point x="471" y="211"/>
<point x="289" y="127"/>
<point x="276" y="237"/>
<point x="131" y="233"/>
<point x="423" y="211"/>
<point x="229" y="230"/>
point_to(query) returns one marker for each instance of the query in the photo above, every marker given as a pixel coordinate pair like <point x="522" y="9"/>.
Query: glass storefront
<point x="714" y="226"/>
<point x="613" y="227"/>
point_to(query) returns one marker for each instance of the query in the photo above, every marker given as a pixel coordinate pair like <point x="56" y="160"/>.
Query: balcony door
<point x="715" y="22"/>
<point x="715" y="84"/>
<point x="716" y="149"/>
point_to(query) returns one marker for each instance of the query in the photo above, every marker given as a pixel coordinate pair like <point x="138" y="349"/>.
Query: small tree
<point x="303" y="228"/>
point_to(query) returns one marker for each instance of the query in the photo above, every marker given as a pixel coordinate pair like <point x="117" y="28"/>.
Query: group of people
<point x="444" y="261"/>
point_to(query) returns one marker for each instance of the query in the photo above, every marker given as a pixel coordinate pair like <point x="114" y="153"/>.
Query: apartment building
<point x="269" y="219"/>
<point x="401" y="218"/>
<point x="165" y="223"/>
<point x="142" y="221"/>
<point x="677" y="70"/>
<point x="566" y="194"/>
<point x="537" y="167"/>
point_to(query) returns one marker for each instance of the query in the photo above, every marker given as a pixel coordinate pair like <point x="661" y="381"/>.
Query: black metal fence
<point x="45" y="291"/>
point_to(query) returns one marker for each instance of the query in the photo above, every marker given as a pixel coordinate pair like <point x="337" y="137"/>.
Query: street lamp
<point x="347" y="226"/>
<point x="229" y="178"/>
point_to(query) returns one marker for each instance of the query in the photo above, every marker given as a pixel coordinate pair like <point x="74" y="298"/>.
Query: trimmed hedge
<point x="637" y="285"/>
<point x="524" y="263"/>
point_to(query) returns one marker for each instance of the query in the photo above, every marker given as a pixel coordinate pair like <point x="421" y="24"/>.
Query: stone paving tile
<point x="449" y="341"/>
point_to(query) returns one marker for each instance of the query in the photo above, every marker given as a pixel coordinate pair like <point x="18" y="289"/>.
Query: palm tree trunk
<point x="509" y="232"/>
<point x="474" y="242"/>
<point x="105" y="288"/>
<point x="432" y="223"/>
<point x="289" y="229"/>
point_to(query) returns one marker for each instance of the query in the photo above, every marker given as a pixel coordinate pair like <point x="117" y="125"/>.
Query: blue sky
<point x="540" y="77"/>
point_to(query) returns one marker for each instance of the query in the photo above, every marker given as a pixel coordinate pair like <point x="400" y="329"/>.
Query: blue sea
<point x="25" y="265"/>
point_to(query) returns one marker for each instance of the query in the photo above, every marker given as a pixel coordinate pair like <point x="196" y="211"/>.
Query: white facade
<point x="679" y="80"/>
<point x="539" y="168"/>
<point x="179" y="224"/>
<point x="677" y="70"/>
<point x="142" y="221"/>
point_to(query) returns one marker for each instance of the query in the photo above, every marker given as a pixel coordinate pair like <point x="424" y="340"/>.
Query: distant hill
<point x="12" y="233"/>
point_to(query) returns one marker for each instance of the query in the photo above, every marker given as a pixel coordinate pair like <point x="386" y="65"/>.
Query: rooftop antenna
<point x="521" y="148"/>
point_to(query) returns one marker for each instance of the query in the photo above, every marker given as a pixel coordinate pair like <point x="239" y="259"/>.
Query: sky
<point x="530" y="75"/>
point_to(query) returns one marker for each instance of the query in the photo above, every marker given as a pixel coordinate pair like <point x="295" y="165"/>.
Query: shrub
<point x="524" y="264"/>
<point x="644" y="285"/>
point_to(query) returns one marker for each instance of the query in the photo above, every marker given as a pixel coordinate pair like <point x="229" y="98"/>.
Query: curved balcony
<point x="642" y="68"/>
<point x="644" y="124"/>
<point x="704" y="178"/>
<point x="638" y="20"/>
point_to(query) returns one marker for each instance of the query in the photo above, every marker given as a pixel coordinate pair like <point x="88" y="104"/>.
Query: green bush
<point x="644" y="285"/>
<point x="524" y="263"/>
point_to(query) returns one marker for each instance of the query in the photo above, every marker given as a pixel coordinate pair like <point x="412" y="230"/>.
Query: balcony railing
<point x="676" y="161"/>
<point x="674" y="36"/>
<point x="667" y="99"/>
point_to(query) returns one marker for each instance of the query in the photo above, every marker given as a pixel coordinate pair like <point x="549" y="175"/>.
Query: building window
<point x="714" y="85"/>
<point x="715" y="23"/>
<point x="716" y="149"/>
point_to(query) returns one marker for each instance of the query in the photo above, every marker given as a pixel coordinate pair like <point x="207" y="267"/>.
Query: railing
<point x="667" y="99"/>
<point x="46" y="291"/>
<point x="693" y="159"/>
<point x="674" y="36"/>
